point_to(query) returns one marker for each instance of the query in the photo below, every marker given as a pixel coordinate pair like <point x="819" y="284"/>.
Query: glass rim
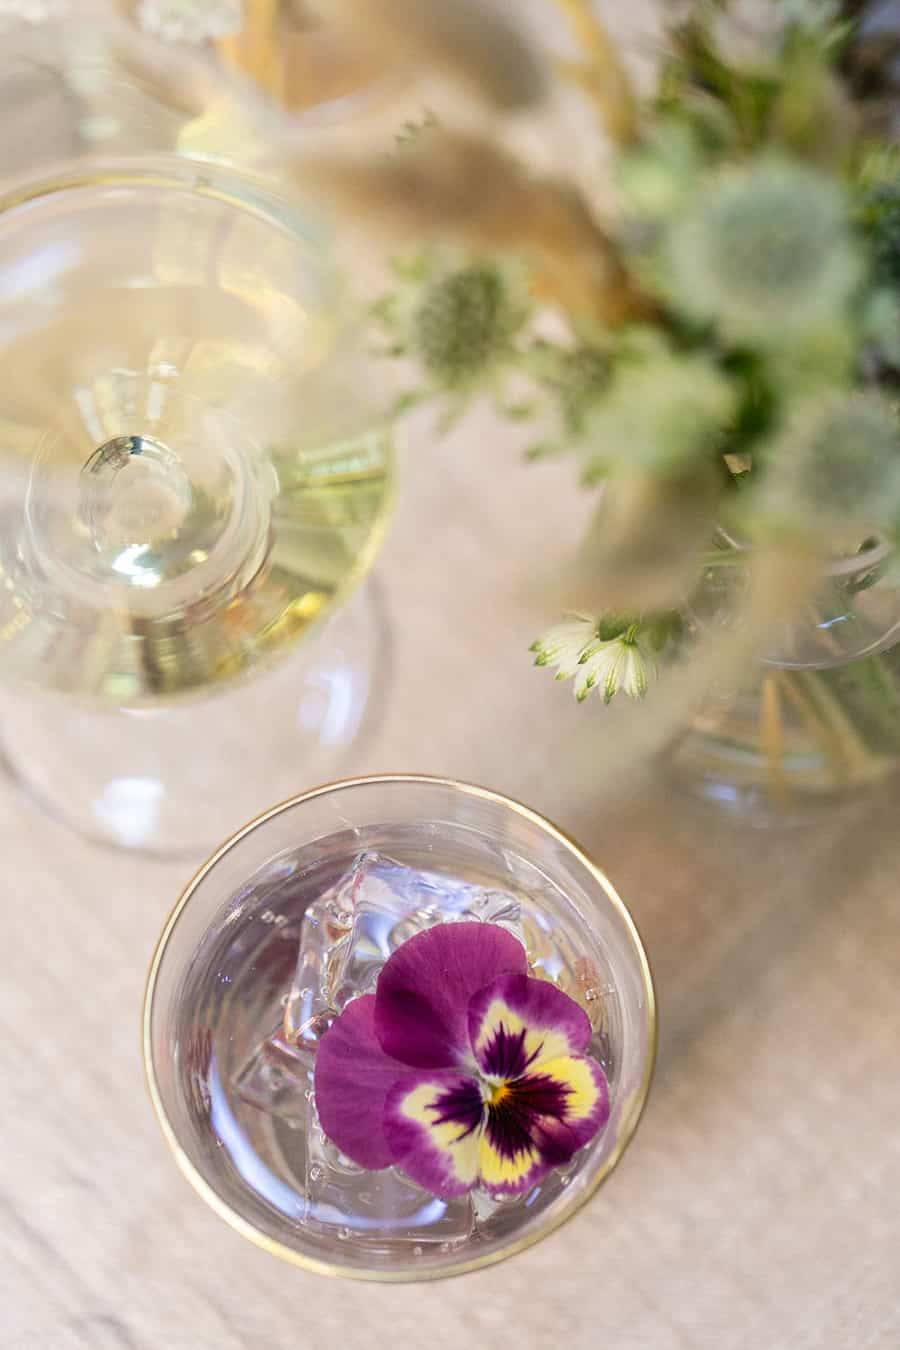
<point x="375" y="1274"/>
<point x="210" y="176"/>
<point x="875" y="550"/>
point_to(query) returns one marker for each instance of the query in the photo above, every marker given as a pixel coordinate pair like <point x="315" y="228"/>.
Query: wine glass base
<point x="176" y="778"/>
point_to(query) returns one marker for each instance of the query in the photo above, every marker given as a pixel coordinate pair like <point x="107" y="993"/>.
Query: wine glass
<point x="287" y="924"/>
<point x="195" y="473"/>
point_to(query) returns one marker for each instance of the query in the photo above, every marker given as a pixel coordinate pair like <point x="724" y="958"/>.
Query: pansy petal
<point x="509" y="1174"/>
<point x="538" y="1122"/>
<point x="433" y="1123"/>
<point x="517" y="1022"/>
<point x="423" y="992"/>
<point x="585" y="1104"/>
<point x="353" y="1077"/>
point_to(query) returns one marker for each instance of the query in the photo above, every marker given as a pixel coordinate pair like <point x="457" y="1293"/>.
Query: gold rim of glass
<point x="630" y="1120"/>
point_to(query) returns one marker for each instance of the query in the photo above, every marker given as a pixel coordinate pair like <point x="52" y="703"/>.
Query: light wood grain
<point x="758" y="1205"/>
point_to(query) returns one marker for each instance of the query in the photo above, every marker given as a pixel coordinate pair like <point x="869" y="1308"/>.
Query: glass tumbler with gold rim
<point x="292" y="920"/>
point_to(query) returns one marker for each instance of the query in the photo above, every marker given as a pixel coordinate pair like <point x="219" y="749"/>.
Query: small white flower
<point x="620" y="664"/>
<point x="610" y="653"/>
<point x="564" y="645"/>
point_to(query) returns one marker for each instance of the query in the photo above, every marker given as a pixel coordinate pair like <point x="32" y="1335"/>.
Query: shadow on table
<point x="720" y="905"/>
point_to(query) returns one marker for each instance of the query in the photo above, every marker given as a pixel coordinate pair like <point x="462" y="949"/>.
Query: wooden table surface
<point x="758" y="1207"/>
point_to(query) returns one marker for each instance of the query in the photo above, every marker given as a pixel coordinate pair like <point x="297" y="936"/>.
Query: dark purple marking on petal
<point x="512" y="1120"/>
<point x="433" y="1124"/>
<point x="538" y="1122"/>
<point x="549" y="1021"/>
<point x="423" y="992"/>
<point x="461" y="1103"/>
<point x="558" y="1140"/>
<point x="353" y="1077"/>
<point x="504" y="1055"/>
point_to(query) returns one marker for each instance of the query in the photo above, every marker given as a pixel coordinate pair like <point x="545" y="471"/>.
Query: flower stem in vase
<point x="771" y="735"/>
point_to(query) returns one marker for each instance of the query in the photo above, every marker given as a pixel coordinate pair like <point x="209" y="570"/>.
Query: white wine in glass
<point x="193" y="477"/>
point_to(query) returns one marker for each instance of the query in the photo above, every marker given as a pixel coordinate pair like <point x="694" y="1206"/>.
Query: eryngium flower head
<point x="763" y="253"/>
<point x="836" y="466"/>
<point x="465" y="322"/>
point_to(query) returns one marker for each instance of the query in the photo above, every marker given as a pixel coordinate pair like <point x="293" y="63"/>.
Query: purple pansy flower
<point x="461" y="1068"/>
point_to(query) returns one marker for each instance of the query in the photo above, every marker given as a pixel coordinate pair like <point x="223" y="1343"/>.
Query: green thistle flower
<point x="836" y="465"/>
<point x="465" y="323"/>
<point x="659" y="414"/>
<point x="764" y="254"/>
<point x="458" y="323"/>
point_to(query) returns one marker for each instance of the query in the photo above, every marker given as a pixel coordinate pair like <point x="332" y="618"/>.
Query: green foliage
<point x="656" y="178"/>
<point x="464" y="322"/>
<point x="759" y="235"/>
<point x="660" y="413"/>
<point x="879" y="215"/>
<point x="835" y="464"/>
<point x="880" y="331"/>
<point x="572" y="381"/>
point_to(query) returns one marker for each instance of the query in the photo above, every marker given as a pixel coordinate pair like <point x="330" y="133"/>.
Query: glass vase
<point x="817" y="719"/>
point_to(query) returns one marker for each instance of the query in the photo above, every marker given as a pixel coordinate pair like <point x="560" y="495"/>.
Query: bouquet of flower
<point x="713" y="335"/>
<point x="735" y="341"/>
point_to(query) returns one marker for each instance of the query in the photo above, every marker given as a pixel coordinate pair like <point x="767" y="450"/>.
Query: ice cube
<point x="492" y="906"/>
<point x="309" y="1010"/>
<point x="379" y="928"/>
<point x="407" y="889"/>
<point x="545" y="959"/>
<point x="492" y="1213"/>
<point x="391" y="903"/>
<point x="342" y="1199"/>
<point x="277" y="1077"/>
